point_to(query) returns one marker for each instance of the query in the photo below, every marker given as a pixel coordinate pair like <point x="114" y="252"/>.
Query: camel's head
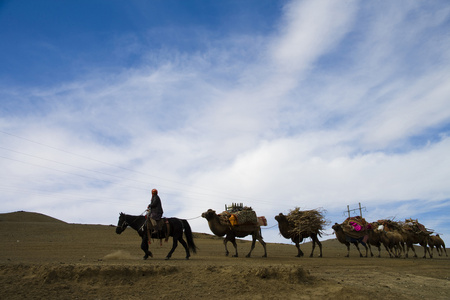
<point x="280" y="217"/>
<point x="209" y="214"/>
<point x="336" y="227"/>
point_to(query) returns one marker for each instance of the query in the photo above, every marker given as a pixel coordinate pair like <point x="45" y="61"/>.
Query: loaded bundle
<point x="390" y="225"/>
<point x="306" y="221"/>
<point x="415" y="227"/>
<point x="356" y="227"/>
<point x="242" y="216"/>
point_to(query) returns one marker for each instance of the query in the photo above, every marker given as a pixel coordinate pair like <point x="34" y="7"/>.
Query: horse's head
<point x="122" y="224"/>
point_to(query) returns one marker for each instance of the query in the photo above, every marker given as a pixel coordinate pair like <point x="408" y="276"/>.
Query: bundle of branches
<point x="415" y="226"/>
<point x="390" y="225"/>
<point x="307" y="221"/>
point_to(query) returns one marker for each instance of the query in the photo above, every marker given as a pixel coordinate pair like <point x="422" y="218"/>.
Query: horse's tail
<point x="189" y="236"/>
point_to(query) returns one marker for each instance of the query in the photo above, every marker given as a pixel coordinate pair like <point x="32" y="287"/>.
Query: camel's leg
<point x="348" y="249"/>
<point x="388" y="250"/>
<point x="401" y="247"/>
<point x="445" y="251"/>
<point x="425" y="250"/>
<point x="233" y="241"/>
<point x="299" y="251"/>
<point x="414" y="250"/>
<point x="370" y="249"/>
<point x="316" y="240"/>
<point x="225" y="241"/>
<point x="367" y="250"/>
<point x="357" y="247"/>
<point x="410" y="246"/>
<point x="263" y="244"/>
<point x="252" y="247"/>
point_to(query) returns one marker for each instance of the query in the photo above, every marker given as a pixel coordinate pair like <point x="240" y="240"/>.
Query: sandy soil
<point x="42" y="257"/>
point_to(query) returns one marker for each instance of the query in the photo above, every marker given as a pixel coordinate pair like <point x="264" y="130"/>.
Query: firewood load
<point x="415" y="227"/>
<point x="389" y="225"/>
<point x="306" y="221"/>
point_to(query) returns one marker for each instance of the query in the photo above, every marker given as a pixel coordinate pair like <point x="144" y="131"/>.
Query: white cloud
<point x="303" y="123"/>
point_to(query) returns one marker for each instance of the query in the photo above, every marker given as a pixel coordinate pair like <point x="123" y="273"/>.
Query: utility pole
<point x="360" y="209"/>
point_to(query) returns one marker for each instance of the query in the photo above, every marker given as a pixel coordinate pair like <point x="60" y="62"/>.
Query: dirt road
<point x="42" y="257"/>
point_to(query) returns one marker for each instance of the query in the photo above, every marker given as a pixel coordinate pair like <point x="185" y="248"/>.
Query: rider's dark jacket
<point x="155" y="207"/>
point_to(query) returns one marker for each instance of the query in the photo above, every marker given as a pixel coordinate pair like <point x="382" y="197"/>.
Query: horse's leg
<point x="174" y="245"/>
<point x="144" y="247"/>
<point x="182" y="242"/>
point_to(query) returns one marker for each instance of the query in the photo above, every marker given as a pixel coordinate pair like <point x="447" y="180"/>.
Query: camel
<point x="392" y="240"/>
<point x="231" y="232"/>
<point x="410" y="237"/>
<point x="374" y="240"/>
<point x="436" y="241"/>
<point x="346" y="240"/>
<point x="286" y="231"/>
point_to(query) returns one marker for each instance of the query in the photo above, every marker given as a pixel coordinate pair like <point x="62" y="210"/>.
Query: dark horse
<point x="176" y="228"/>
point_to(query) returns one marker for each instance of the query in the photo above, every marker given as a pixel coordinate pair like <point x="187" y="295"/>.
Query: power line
<point x="220" y="193"/>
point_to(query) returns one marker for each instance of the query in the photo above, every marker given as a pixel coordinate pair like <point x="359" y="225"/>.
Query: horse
<point x="175" y="228"/>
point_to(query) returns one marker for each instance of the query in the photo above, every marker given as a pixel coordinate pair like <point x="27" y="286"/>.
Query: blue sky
<point x="275" y="104"/>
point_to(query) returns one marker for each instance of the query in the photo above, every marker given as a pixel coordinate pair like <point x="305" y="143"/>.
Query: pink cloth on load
<point x="356" y="226"/>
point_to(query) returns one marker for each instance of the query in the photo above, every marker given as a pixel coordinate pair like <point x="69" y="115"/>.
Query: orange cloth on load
<point x="233" y="220"/>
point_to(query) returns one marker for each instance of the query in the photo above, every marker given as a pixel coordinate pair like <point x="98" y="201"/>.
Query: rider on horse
<point x="155" y="211"/>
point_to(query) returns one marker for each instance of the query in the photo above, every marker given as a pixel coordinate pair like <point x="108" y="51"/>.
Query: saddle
<point x="160" y="232"/>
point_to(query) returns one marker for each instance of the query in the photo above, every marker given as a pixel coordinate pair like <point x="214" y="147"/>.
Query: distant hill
<point x="23" y="216"/>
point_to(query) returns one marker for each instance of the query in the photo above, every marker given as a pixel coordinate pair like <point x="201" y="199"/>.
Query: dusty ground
<point x="41" y="257"/>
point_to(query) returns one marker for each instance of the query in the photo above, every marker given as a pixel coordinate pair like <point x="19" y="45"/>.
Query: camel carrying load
<point x="306" y="221"/>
